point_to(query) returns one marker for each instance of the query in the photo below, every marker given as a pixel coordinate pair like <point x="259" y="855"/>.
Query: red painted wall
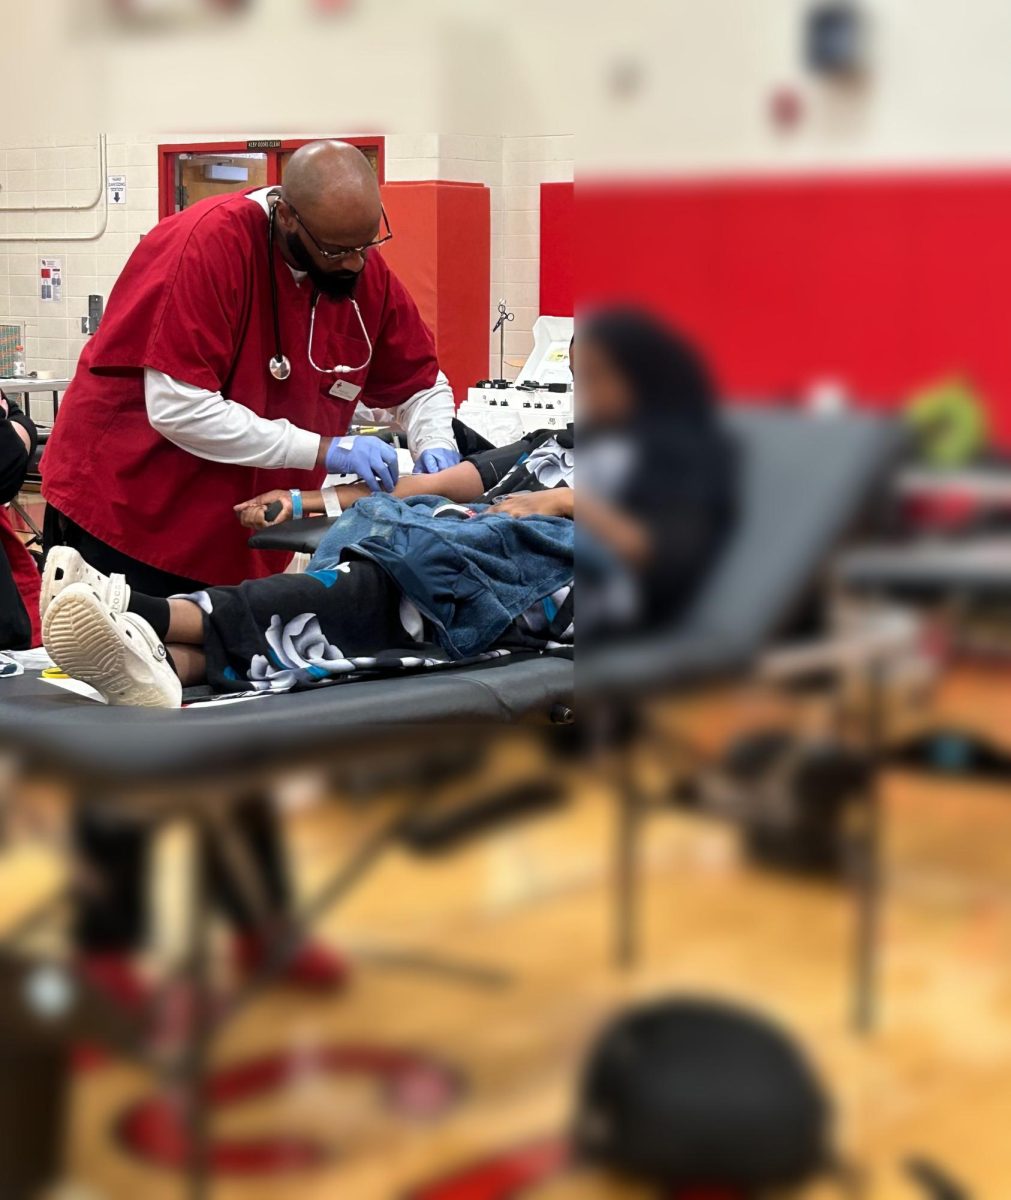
<point x="441" y="250"/>
<point x="885" y="281"/>
<point x="557" y="234"/>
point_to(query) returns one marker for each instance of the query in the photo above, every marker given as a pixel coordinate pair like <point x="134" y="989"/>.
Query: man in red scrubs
<point x="236" y="345"/>
<point x="174" y="415"/>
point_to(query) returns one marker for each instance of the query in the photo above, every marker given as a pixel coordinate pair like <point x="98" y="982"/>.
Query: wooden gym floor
<point x="534" y="901"/>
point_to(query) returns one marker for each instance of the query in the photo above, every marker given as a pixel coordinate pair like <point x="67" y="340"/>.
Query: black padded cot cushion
<point x="303" y="535"/>
<point x="979" y="568"/>
<point x="804" y="482"/>
<point x="36" y="459"/>
<point x="634" y="668"/>
<point x="54" y="729"/>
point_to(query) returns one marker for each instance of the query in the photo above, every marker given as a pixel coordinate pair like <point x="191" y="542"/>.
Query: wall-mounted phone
<point x="837" y="39"/>
<point x="90" y="323"/>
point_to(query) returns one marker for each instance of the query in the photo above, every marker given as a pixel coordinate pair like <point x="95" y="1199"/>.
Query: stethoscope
<point x="280" y="364"/>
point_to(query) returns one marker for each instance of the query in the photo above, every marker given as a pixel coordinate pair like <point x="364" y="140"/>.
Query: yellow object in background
<point x="950" y="423"/>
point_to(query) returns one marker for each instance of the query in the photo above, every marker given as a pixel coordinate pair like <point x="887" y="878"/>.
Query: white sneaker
<point x="118" y="654"/>
<point x="64" y="566"/>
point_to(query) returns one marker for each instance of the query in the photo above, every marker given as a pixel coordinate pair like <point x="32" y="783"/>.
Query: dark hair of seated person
<point x="666" y="374"/>
<point x="680" y="483"/>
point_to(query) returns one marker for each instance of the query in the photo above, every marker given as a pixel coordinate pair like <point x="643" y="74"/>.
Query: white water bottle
<point x="20" y="368"/>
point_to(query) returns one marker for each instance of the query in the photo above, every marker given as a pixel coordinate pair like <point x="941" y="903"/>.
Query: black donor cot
<point x="804" y="483"/>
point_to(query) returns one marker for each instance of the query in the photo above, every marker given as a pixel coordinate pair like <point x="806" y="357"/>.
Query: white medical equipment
<point x="505" y="414"/>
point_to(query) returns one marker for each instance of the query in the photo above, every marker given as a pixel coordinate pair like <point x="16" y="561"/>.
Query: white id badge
<point x="345" y="391"/>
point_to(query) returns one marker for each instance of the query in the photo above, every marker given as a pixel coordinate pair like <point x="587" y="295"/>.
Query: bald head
<point x="335" y="191"/>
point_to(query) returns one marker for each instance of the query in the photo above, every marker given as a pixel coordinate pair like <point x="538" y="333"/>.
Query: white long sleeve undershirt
<point x="426" y="417"/>
<point x="213" y="427"/>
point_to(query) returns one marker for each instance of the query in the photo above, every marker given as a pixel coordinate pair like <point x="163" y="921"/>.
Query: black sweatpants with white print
<point x="292" y="631"/>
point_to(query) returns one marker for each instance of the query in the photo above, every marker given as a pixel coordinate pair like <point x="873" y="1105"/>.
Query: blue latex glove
<point x="370" y="458"/>
<point x="430" y="461"/>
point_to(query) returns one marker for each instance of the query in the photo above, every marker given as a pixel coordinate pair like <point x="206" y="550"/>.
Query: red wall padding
<point x="557" y="233"/>
<point x="441" y="250"/>
<point x="884" y="281"/>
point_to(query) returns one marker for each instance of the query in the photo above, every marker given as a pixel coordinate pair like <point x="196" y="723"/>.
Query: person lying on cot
<point x="396" y="583"/>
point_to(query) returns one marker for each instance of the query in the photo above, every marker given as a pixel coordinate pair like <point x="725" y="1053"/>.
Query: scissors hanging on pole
<point x="504" y="315"/>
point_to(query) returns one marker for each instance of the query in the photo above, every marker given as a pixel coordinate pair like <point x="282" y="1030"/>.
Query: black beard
<point x="338" y="285"/>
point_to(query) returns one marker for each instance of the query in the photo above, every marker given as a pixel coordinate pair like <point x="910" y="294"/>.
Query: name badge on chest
<point x="345" y="390"/>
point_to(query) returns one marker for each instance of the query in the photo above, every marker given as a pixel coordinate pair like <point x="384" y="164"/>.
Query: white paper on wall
<point x="117" y="191"/>
<point x="51" y="280"/>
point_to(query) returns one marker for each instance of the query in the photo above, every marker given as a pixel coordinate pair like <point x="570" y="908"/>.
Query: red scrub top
<point x="194" y="302"/>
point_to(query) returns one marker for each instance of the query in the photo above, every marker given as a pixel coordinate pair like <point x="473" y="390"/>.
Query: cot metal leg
<point x="439" y="966"/>
<point x="35" y="531"/>
<point x="867" y="865"/>
<point x="630" y="814"/>
<point x="195" y="1068"/>
<point x="286" y="944"/>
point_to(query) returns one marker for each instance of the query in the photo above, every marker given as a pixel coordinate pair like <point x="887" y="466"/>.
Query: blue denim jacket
<point x="470" y="578"/>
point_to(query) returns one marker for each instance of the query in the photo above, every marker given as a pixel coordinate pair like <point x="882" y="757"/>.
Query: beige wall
<point x="67" y="173"/>
<point x="527" y="163"/>
<point x="938" y="92"/>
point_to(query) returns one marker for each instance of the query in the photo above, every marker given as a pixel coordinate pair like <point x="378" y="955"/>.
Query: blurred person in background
<point x="657" y="473"/>
<point x="19" y="577"/>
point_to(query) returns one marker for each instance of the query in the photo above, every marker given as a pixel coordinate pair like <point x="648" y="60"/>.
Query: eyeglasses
<point x="342" y="251"/>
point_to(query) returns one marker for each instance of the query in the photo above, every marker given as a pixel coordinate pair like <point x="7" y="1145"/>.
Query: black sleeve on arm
<point x="17" y="415"/>
<point x="14" y="458"/>
<point x="494" y="464"/>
